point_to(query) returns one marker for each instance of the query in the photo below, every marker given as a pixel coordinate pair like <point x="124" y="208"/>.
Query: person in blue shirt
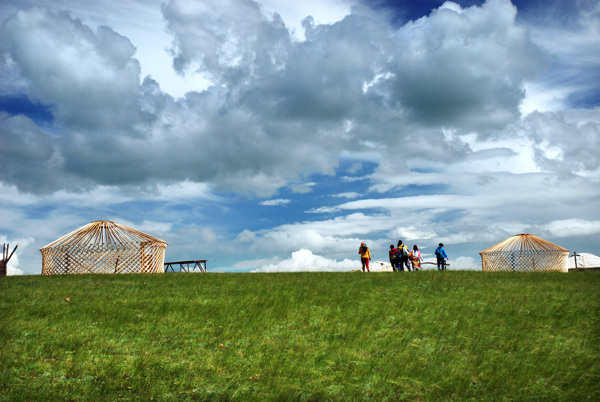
<point x="441" y="256"/>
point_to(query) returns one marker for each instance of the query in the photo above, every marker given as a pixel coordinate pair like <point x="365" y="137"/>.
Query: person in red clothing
<point x="365" y="256"/>
<point x="393" y="257"/>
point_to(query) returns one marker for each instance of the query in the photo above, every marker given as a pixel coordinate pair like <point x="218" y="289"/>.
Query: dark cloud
<point x="29" y="156"/>
<point x="279" y="110"/>
<point x="567" y="142"/>
<point x="89" y="78"/>
<point x="465" y="69"/>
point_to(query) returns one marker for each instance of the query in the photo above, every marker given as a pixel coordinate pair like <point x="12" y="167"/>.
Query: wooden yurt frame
<point x="525" y="253"/>
<point x="104" y="247"/>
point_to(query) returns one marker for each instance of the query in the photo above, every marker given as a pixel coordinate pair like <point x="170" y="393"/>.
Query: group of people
<point x="400" y="257"/>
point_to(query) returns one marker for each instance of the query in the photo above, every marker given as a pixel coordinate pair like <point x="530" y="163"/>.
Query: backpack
<point x="438" y="253"/>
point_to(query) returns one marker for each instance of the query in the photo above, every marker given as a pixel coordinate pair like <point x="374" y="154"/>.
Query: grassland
<point x="302" y="336"/>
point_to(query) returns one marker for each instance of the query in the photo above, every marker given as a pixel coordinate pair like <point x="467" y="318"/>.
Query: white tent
<point x="585" y="261"/>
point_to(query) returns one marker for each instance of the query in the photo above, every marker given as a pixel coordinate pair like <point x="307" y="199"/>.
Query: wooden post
<point x="6" y="258"/>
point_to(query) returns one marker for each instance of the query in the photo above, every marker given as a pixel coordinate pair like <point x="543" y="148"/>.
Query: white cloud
<point x="464" y="263"/>
<point x="350" y="194"/>
<point x="572" y="49"/>
<point x="275" y="202"/>
<point x="180" y="191"/>
<point x="302" y="188"/>
<point x="155" y="227"/>
<point x="293" y="12"/>
<point x="543" y="98"/>
<point x="572" y="227"/>
<point x="412" y="232"/>
<point x="305" y="260"/>
<point x="246" y="236"/>
<point x="567" y="142"/>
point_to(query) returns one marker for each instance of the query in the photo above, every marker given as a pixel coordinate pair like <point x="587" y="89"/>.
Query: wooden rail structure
<point x="186" y="266"/>
<point x="433" y="263"/>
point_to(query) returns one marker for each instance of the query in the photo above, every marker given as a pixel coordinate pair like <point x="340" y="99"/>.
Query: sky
<point x="271" y="136"/>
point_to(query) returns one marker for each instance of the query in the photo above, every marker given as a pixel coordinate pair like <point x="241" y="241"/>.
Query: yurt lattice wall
<point x="104" y="247"/>
<point x="525" y="253"/>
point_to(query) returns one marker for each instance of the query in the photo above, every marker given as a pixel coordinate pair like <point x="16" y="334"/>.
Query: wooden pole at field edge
<point x="6" y="258"/>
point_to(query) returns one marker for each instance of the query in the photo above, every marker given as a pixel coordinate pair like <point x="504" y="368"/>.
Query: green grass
<point x="301" y="336"/>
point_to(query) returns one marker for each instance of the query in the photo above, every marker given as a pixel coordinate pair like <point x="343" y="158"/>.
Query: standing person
<point x="365" y="256"/>
<point x="402" y="256"/>
<point x="441" y="257"/>
<point x="393" y="257"/>
<point x="415" y="258"/>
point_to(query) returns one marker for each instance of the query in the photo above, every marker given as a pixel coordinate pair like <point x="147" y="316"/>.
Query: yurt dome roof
<point x="103" y="233"/>
<point x="524" y="242"/>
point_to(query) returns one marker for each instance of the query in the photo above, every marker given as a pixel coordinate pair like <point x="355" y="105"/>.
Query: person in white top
<point x="415" y="258"/>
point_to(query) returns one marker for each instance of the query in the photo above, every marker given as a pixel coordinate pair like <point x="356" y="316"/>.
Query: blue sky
<point x="269" y="136"/>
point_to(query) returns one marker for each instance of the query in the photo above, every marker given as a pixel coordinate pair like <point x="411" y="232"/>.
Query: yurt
<point x="525" y="253"/>
<point x="104" y="247"/>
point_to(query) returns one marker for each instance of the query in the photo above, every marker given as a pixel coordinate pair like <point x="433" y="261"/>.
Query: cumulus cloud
<point x="29" y="155"/>
<point x="453" y="75"/>
<point x="305" y="260"/>
<point x="89" y="78"/>
<point x="13" y="267"/>
<point x="465" y="264"/>
<point x="566" y="142"/>
<point x="311" y="101"/>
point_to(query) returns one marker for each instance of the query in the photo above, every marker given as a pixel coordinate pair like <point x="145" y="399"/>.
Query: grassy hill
<point x="301" y="336"/>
